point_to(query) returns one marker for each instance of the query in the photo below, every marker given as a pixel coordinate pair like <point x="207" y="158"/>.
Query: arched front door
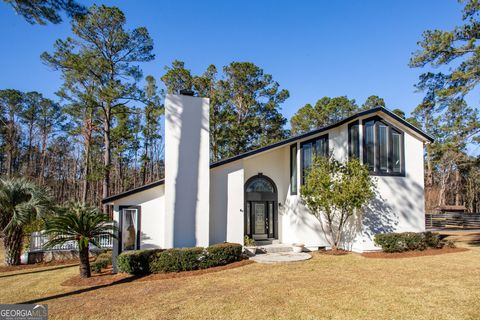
<point x="261" y="216"/>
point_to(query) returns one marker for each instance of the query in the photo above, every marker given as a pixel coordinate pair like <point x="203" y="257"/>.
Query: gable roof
<point x="133" y="191"/>
<point x="320" y="130"/>
<point x="281" y="143"/>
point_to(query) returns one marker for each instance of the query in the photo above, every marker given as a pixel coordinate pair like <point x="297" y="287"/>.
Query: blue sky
<point x="312" y="48"/>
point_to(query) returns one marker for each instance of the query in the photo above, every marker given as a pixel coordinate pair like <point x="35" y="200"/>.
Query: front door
<point x="260" y="220"/>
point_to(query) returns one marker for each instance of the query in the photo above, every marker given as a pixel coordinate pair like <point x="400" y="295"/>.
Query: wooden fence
<point x="451" y="220"/>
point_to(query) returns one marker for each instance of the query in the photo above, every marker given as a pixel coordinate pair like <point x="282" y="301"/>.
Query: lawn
<point x="325" y="287"/>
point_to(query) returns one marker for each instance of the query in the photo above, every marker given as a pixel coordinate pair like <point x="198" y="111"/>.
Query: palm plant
<point x="21" y="202"/>
<point x="83" y="225"/>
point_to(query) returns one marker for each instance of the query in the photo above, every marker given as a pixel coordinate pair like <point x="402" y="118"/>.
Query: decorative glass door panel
<point x="260" y="219"/>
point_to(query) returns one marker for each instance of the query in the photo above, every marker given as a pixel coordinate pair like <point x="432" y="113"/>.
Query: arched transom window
<point x="260" y="185"/>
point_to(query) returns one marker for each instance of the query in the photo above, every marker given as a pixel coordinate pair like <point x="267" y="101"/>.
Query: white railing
<point x="38" y="241"/>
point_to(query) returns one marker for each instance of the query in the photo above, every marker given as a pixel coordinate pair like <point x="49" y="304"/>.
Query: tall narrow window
<point x="369" y="153"/>
<point x="307" y="158"/>
<point x="130" y="226"/>
<point x="317" y="147"/>
<point x="382" y="147"/>
<point x="354" y="140"/>
<point x="293" y="169"/>
<point x="396" y="152"/>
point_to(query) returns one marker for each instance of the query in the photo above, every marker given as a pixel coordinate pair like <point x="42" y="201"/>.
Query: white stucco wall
<point x="226" y="203"/>
<point x="152" y="215"/>
<point x="187" y="174"/>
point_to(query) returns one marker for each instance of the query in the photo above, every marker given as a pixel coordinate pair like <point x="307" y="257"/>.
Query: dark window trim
<point x="120" y="225"/>
<point x="293" y="146"/>
<point x="376" y="147"/>
<point x="324" y="136"/>
<point x="350" y="138"/>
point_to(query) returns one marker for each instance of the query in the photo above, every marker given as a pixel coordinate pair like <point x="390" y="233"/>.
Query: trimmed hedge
<point x="221" y="254"/>
<point x="408" y="241"/>
<point x="177" y="260"/>
<point x="135" y="262"/>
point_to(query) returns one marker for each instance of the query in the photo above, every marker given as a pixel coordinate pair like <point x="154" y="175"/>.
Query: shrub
<point x="432" y="240"/>
<point x="221" y="254"/>
<point x="135" y="262"/>
<point x="103" y="260"/>
<point x="186" y="259"/>
<point x="248" y="242"/>
<point x="414" y="241"/>
<point x="407" y="241"/>
<point x="176" y="260"/>
<point x="98" y="265"/>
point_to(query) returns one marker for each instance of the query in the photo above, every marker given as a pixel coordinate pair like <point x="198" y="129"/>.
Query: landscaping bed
<point x="106" y="277"/>
<point x="411" y="254"/>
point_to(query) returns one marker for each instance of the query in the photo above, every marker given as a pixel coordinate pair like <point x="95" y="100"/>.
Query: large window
<point x="317" y="147"/>
<point x="293" y="169"/>
<point x="383" y="150"/>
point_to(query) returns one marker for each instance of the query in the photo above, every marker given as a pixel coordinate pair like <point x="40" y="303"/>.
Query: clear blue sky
<point x="312" y="48"/>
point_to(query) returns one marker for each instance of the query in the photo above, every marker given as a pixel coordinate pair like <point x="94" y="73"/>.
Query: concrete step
<point x="266" y="242"/>
<point x="274" y="248"/>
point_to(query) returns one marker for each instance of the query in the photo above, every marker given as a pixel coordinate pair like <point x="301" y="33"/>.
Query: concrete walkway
<point x="280" y="257"/>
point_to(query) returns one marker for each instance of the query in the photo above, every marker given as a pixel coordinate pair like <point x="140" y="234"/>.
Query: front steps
<point x="274" y="248"/>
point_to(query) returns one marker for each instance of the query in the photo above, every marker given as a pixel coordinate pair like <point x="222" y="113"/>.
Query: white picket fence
<point x="38" y="241"/>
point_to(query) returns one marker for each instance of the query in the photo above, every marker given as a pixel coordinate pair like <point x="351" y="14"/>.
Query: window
<point x="354" y="140"/>
<point x="317" y="147"/>
<point x="369" y="150"/>
<point x="260" y="185"/>
<point x="130" y="223"/>
<point x="383" y="147"/>
<point x="293" y="169"/>
<point x="396" y="151"/>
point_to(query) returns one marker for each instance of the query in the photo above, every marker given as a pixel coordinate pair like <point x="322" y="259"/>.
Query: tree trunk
<point x="429" y="178"/>
<point x="13" y="243"/>
<point x="458" y="180"/>
<point x="107" y="154"/>
<point x="84" y="263"/>
<point x="43" y="161"/>
<point x="10" y="144"/>
<point x="86" y="170"/>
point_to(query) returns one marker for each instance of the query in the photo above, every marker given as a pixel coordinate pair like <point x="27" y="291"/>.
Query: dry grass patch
<point x="325" y="287"/>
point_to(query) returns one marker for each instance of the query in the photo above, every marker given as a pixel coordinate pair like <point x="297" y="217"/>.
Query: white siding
<point x="152" y="218"/>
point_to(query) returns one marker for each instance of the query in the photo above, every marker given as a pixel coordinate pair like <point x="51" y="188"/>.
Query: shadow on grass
<point x="37" y="271"/>
<point x="72" y="293"/>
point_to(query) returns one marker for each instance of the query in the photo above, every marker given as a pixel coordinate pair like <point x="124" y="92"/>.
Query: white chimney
<point x="187" y="171"/>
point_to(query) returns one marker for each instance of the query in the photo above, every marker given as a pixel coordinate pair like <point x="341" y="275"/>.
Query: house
<point x="257" y="193"/>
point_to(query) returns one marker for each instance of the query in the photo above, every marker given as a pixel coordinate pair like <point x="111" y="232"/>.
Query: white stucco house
<point x="258" y="193"/>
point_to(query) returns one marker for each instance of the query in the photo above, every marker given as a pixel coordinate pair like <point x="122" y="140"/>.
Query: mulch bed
<point x="338" y="252"/>
<point x="106" y="277"/>
<point x="411" y="254"/>
<point x="38" y="265"/>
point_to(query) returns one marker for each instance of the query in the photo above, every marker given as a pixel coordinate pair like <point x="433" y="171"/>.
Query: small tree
<point x="335" y="191"/>
<point x="83" y="225"/>
<point x="21" y="202"/>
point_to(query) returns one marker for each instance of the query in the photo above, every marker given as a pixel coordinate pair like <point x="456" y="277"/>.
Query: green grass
<point x="325" y="287"/>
